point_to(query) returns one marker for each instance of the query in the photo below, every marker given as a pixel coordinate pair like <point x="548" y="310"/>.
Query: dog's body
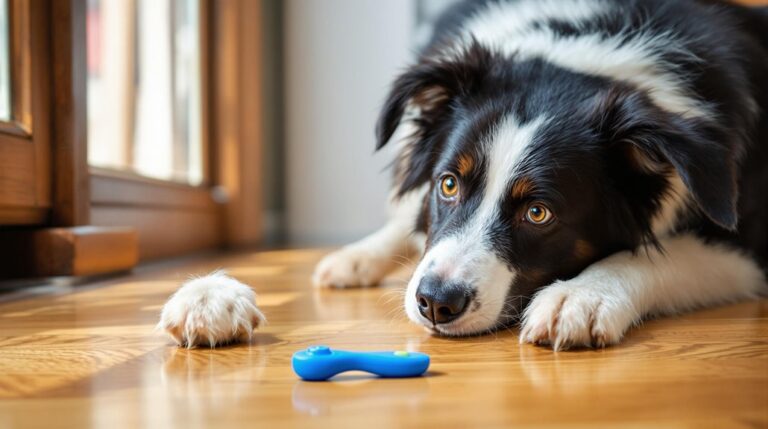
<point x="637" y="124"/>
<point x="577" y="164"/>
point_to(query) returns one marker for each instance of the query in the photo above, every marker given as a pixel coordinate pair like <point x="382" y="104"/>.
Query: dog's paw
<point x="568" y="314"/>
<point x="351" y="266"/>
<point x="211" y="310"/>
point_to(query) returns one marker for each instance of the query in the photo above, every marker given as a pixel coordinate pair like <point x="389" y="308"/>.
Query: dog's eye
<point x="449" y="186"/>
<point x="538" y="214"/>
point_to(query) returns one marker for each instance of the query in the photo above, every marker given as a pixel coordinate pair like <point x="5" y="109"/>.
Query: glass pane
<point x="5" y="63"/>
<point x="144" y="87"/>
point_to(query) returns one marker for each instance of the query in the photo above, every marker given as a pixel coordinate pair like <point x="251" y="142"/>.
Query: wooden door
<point x="25" y="147"/>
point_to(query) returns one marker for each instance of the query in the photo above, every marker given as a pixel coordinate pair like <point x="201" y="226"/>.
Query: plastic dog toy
<point x="319" y="363"/>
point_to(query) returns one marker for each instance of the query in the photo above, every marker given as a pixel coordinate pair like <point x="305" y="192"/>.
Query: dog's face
<point x="533" y="173"/>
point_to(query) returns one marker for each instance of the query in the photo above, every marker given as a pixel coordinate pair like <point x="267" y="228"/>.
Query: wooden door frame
<point x="71" y="189"/>
<point x="24" y="140"/>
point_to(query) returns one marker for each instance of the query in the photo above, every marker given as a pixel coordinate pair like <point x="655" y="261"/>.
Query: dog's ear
<point x="655" y="140"/>
<point x="430" y="86"/>
<point x="429" y="91"/>
<point x="423" y="87"/>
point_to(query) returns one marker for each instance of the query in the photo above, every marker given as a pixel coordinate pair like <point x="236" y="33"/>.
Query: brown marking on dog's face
<point x="522" y="187"/>
<point x="466" y="164"/>
<point x="583" y="250"/>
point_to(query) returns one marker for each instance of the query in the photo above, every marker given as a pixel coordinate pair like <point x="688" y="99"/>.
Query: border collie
<point x="571" y="165"/>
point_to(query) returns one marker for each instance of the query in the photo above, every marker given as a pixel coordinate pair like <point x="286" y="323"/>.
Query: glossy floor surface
<point x="88" y="357"/>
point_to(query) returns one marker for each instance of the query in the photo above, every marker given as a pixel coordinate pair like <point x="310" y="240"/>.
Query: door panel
<point x="25" y="151"/>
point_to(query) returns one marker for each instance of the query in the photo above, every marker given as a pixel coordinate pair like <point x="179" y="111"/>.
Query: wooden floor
<point x="88" y="357"/>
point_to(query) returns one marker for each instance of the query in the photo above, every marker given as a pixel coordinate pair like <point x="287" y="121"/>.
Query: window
<point x="110" y="126"/>
<point x="144" y="88"/>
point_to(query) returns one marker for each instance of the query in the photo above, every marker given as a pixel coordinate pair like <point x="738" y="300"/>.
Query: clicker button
<point x="319" y="350"/>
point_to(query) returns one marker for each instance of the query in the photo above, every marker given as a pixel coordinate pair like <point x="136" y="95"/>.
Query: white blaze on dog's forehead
<point x="634" y="58"/>
<point x="505" y="150"/>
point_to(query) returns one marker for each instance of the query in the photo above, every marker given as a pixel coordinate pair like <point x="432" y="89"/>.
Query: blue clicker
<point x="320" y="363"/>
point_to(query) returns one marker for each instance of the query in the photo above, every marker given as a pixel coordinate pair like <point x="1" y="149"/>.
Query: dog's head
<point x="533" y="173"/>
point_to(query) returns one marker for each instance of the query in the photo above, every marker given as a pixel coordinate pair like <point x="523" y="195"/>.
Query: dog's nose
<point x="441" y="302"/>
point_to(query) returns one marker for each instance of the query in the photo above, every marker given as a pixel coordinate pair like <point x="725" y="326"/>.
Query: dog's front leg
<point x="366" y="262"/>
<point x="597" y="307"/>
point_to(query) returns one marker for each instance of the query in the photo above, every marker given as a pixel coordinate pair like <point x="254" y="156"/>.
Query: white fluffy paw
<point x="210" y="310"/>
<point x="351" y="266"/>
<point x="568" y="314"/>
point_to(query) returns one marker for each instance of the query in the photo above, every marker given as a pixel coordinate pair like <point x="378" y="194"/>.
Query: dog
<point x="574" y="166"/>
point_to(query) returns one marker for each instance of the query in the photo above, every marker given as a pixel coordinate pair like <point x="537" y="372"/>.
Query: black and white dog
<point x="575" y="165"/>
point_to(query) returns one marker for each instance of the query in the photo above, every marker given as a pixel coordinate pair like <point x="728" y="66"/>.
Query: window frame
<point x="226" y="210"/>
<point x="189" y="212"/>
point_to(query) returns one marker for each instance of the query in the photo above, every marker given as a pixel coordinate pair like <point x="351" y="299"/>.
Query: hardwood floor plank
<point x="90" y="357"/>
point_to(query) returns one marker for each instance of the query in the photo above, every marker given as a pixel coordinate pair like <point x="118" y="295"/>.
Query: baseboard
<point x="76" y="251"/>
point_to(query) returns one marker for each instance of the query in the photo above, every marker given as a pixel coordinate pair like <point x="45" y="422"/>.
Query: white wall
<point x="340" y="58"/>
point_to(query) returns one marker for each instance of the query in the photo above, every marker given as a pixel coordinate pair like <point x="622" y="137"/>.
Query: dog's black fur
<point x="613" y="148"/>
